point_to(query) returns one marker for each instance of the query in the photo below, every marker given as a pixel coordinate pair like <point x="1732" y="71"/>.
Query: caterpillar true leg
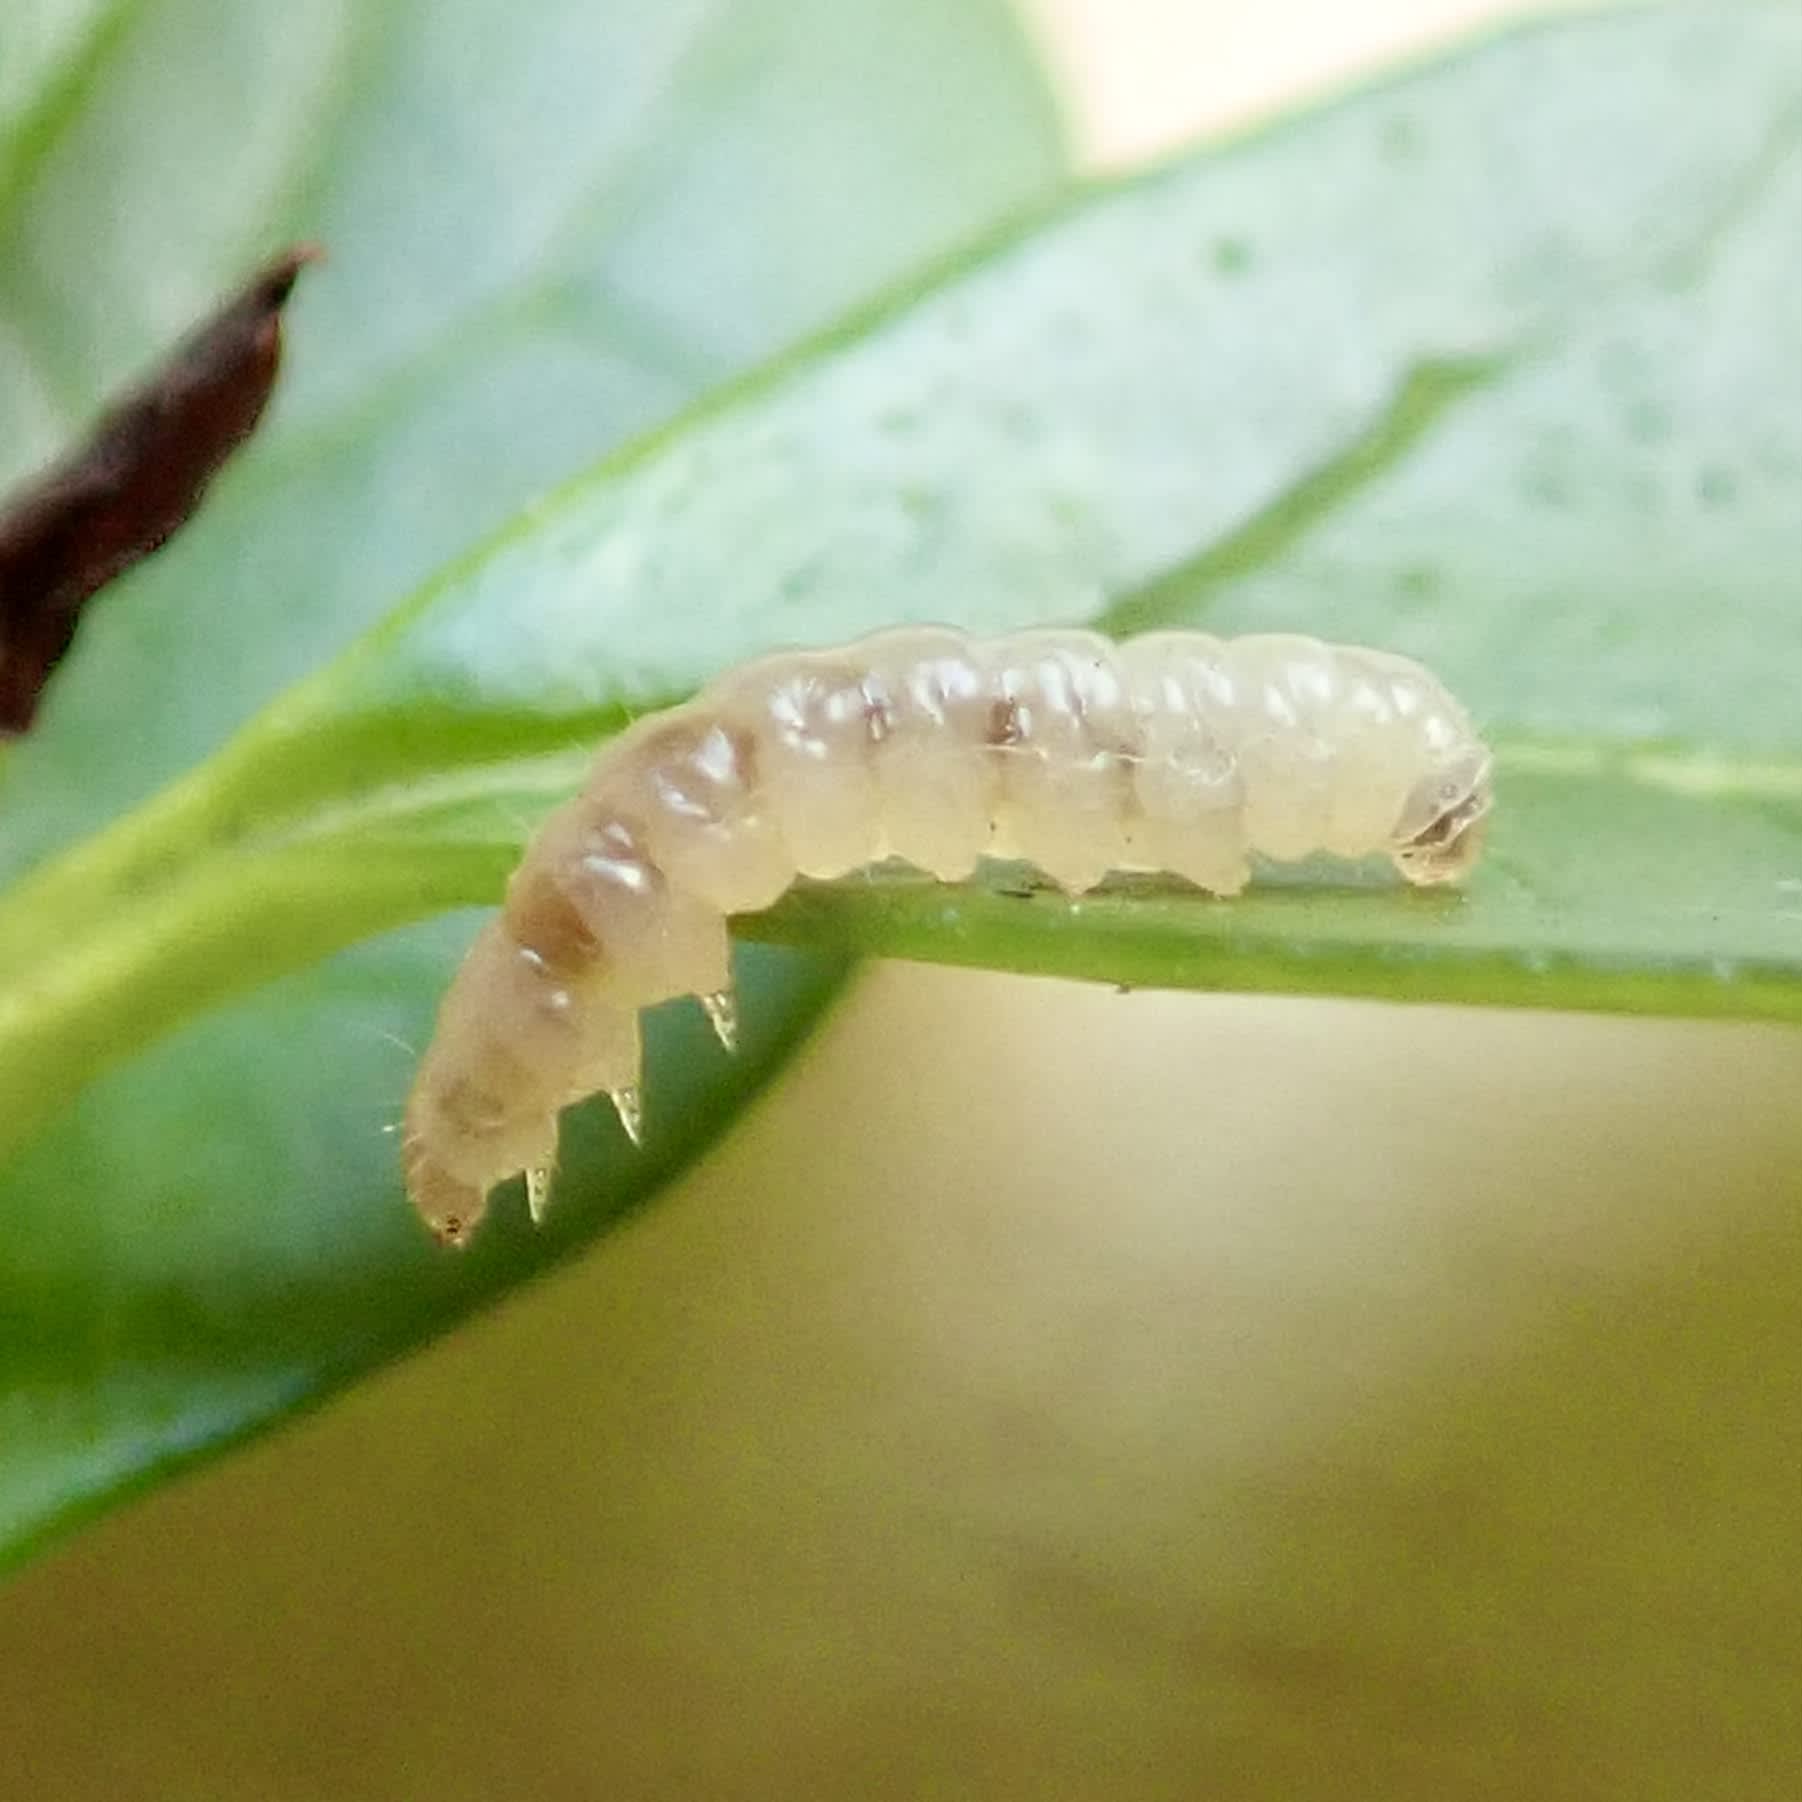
<point x="1173" y="751"/>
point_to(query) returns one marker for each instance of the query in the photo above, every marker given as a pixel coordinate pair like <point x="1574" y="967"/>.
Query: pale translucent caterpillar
<point x="1170" y="752"/>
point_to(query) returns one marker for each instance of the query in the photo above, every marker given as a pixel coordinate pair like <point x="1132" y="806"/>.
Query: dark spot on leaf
<point x="804" y="579"/>
<point x="1716" y="486"/>
<point x="1230" y="256"/>
<point x="133" y="483"/>
<point x="1417" y="582"/>
<point x="1021" y="423"/>
<point x="1547" y="487"/>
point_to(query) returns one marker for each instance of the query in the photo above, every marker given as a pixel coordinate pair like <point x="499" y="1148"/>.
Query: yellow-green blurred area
<point x="1047" y="1392"/>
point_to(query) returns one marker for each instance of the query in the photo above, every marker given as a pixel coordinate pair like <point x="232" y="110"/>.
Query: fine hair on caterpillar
<point x="1171" y="752"/>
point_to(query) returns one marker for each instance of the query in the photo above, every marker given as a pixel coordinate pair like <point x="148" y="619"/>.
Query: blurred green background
<point x="1049" y="1393"/>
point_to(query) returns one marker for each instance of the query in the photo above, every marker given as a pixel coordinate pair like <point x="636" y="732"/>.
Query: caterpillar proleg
<point x="1169" y="752"/>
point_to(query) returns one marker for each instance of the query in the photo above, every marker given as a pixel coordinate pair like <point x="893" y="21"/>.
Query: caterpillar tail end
<point x="451" y="1208"/>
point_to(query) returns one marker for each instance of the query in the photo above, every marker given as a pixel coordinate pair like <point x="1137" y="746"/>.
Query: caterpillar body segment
<point x="1169" y="752"/>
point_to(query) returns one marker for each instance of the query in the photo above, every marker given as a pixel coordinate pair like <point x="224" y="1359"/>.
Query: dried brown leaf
<point x="133" y="482"/>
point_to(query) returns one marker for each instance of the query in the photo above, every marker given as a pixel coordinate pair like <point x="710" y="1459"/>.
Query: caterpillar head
<point x="1442" y="827"/>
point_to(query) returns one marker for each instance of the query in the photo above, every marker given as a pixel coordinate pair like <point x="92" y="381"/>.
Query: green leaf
<point x="548" y="228"/>
<point x="1498" y="365"/>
